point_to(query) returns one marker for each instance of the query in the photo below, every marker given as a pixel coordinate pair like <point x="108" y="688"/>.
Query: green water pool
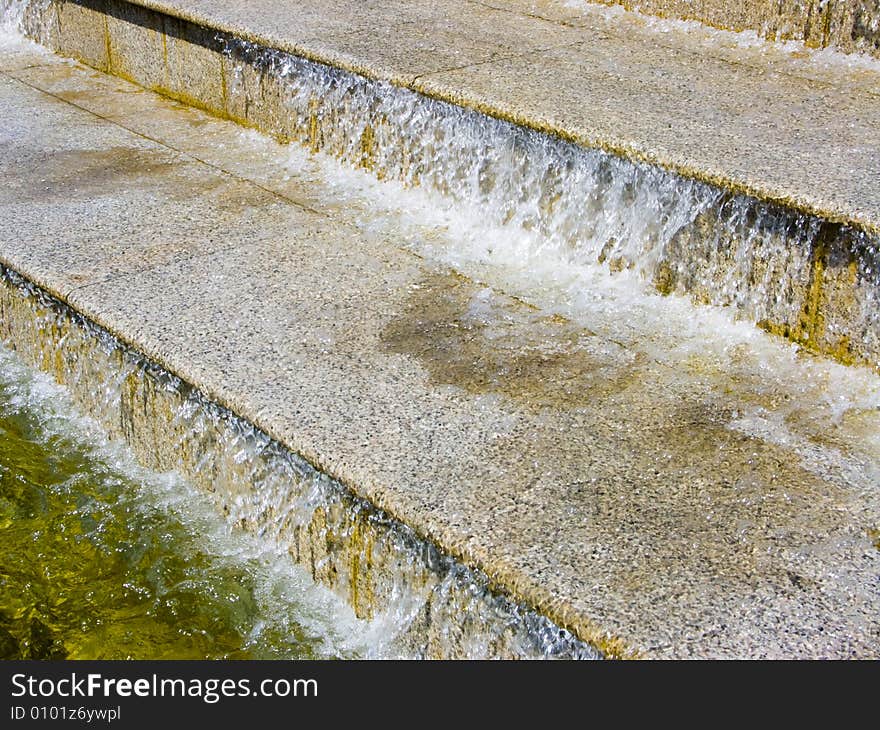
<point x="99" y="560"/>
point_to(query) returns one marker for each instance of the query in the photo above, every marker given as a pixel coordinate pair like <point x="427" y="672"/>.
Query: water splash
<point x="702" y="348"/>
<point x="32" y="19"/>
<point x="418" y="179"/>
<point x="575" y="232"/>
<point x="140" y="564"/>
<point x="579" y="203"/>
<point x="13" y="14"/>
<point x="771" y="41"/>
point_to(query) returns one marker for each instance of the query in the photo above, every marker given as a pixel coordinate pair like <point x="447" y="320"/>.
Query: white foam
<point x="13" y="17"/>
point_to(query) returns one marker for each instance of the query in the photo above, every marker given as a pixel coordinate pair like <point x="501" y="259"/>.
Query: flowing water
<point x="589" y="224"/>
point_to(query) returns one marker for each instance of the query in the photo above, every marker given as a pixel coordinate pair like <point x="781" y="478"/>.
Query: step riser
<point x="372" y="562"/>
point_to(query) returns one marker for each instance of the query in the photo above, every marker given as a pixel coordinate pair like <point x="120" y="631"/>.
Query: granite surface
<point x="616" y="493"/>
<point x="780" y="125"/>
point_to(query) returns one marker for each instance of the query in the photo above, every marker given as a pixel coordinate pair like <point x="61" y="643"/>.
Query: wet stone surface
<point x="656" y="480"/>
<point x="769" y="262"/>
<point x="471" y="338"/>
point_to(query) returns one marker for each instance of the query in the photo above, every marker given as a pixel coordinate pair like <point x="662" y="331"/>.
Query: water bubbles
<point x="26" y="18"/>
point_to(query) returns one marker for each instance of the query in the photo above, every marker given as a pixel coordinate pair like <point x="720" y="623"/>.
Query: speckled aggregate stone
<point x="598" y="485"/>
<point x="851" y="25"/>
<point x="137" y="203"/>
<point x="823" y="301"/>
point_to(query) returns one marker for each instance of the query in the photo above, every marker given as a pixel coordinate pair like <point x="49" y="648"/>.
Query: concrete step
<point x="728" y="117"/>
<point x="652" y="476"/>
<point x="757" y="163"/>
